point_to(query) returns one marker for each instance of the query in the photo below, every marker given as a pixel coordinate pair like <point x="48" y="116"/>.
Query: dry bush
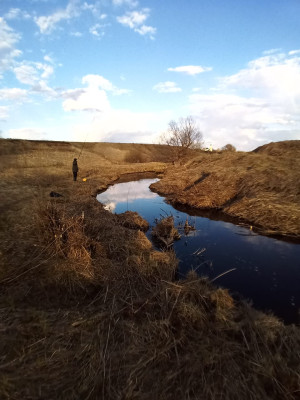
<point x="228" y="147"/>
<point x="164" y="232"/>
<point x="133" y="220"/>
<point x="94" y="312"/>
<point x="139" y="334"/>
<point x="135" y="156"/>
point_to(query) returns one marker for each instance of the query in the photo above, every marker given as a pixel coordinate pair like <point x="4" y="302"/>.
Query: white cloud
<point x="135" y="20"/>
<point x="121" y="125"/>
<point x="95" y="8"/>
<point x="93" y="97"/>
<point x="167" y="87"/>
<point x="275" y="78"/>
<point x="105" y="84"/>
<point x="146" y="30"/>
<point x="76" y="34"/>
<point x="8" y="40"/>
<point x="4" y="113"/>
<point x="31" y="72"/>
<point x="41" y="87"/>
<point x="13" y="94"/>
<point x="293" y="52"/>
<point x="25" y="133"/>
<point x="97" y="30"/>
<point x="190" y="69"/>
<point x="258" y="104"/>
<point x="48" y="23"/>
<point x="125" y="192"/>
<point x="16" y="13"/>
<point x="48" y="59"/>
<point x="130" y="3"/>
<point x="26" y="74"/>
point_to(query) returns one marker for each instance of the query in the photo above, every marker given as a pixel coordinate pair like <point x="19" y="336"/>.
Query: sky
<point x="121" y="70"/>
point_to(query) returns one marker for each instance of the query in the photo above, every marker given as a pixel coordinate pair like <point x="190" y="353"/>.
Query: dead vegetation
<point x="165" y="233"/>
<point x="133" y="220"/>
<point x="89" y="310"/>
<point x="104" y="319"/>
<point x="261" y="187"/>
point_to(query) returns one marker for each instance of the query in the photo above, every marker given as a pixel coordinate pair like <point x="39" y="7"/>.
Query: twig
<point x="226" y="272"/>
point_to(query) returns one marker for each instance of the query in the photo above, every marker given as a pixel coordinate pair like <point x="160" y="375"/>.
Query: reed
<point x="89" y="310"/>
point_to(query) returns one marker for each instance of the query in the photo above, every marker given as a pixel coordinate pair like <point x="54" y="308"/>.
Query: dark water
<point x="267" y="270"/>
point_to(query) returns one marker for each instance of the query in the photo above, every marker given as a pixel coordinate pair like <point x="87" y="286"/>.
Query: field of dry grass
<point x="261" y="187"/>
<point x="89" y="310"/>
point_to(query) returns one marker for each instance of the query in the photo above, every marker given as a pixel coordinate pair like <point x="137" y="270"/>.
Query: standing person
<point x="75" y="169"/>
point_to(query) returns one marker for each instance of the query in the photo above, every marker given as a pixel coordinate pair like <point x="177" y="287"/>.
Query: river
<point x="264" y="270"/>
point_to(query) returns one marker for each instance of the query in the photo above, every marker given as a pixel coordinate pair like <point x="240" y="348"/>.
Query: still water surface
<point x="267" y="270"/>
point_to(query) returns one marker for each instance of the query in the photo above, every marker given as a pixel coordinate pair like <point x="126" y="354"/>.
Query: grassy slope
<point x="261" y="187"/>
<point x="89" y="310"/>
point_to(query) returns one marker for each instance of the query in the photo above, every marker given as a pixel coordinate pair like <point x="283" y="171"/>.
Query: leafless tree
<point x="183" y="135"/>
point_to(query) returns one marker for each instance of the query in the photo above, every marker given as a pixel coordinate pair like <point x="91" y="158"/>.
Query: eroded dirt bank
<point x="262" y="187"/>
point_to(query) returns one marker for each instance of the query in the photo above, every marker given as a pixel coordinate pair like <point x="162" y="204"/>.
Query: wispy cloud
<point x="130" y="3"/>
<point x="13" y="94"/>
<point x="190" y="69"/>
<point x="48" y="23"/>
<point x="76" y="34"/>
<point x="29" y="73"/>
<point x="4" y="113"/>
<point x="167" y="87"/>
<point x="8" y="40"/>
<point x="135" y="20"/>
<point x="294" y="52"/>
<point x="95" y="30"/>
<point x="16" y="13"/>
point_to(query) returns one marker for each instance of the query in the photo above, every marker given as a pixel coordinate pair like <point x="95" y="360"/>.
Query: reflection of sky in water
<point x="267" y="270"/>
<point x="116" y="196"/>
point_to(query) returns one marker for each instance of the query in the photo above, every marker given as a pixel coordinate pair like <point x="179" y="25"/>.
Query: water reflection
<point x="264" y="269"/>
<point x="126" y="194"/>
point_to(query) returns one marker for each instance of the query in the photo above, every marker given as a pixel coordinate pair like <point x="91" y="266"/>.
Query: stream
<point x="265" y="270"/>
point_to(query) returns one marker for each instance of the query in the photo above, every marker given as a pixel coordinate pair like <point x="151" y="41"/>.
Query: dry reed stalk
<point x="126" y="330"/>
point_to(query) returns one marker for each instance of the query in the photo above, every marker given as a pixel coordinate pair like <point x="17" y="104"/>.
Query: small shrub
<point x="229" y="147"/>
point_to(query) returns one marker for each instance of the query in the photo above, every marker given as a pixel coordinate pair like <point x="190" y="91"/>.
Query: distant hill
<point x="279" y="148"/>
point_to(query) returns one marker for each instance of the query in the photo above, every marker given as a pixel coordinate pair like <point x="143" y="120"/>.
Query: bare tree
<point x="183" y="135"/>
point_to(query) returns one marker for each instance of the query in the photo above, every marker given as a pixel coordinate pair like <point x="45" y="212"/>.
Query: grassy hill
<point x="261" y="187"/>
<point x="89" y="310"/>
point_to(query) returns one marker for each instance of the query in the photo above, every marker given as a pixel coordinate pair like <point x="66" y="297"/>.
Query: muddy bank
<point x="261" y="187"/>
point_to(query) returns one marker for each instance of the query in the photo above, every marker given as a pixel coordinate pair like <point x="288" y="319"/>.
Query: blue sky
<point x="120" y="70"/>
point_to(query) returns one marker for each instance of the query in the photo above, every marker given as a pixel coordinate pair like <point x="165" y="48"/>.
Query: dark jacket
<point x="75" y="166"/>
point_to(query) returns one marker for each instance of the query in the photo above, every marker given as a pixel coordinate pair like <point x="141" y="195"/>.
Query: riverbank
<point x="260" y="187"/>
<point x="90" y="310"/>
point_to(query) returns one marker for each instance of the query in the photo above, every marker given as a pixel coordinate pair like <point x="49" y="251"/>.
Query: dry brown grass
<point x="261" y="187"/>
<point x="165" y="233"/>
<point x="90" y="311"/>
